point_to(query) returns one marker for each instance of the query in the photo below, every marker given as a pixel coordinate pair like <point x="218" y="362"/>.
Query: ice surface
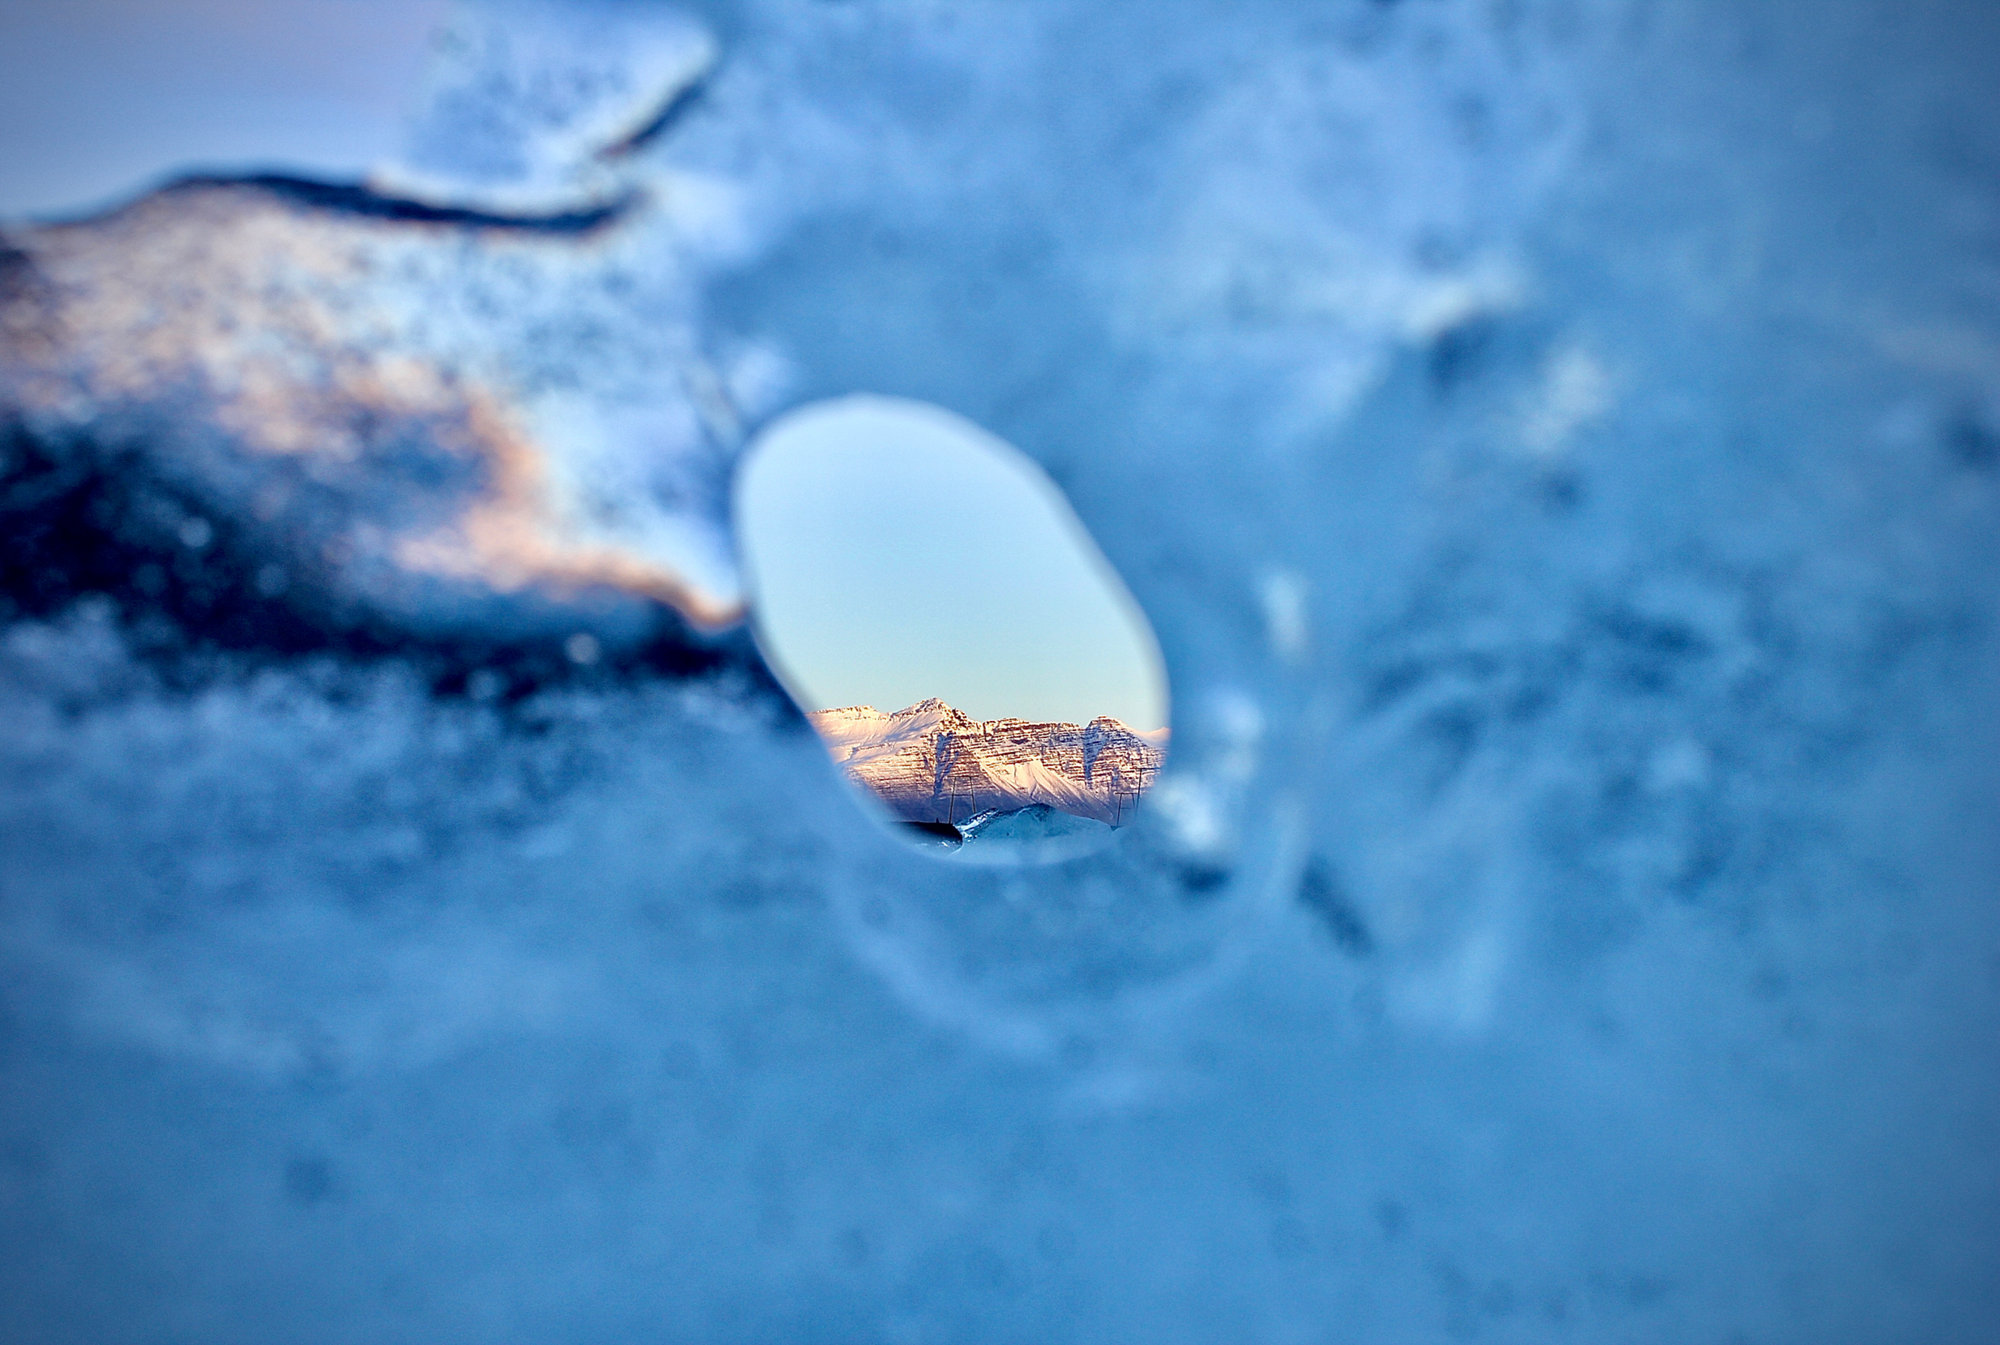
<point x="1557" y="447"/>
<point x="1036" y="834"/>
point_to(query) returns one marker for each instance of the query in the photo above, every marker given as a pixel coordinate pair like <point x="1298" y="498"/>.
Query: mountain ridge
<point x="931" y="762"/>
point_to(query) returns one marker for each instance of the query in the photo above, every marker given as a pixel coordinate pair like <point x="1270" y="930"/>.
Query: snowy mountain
<point x="930" y="762"/>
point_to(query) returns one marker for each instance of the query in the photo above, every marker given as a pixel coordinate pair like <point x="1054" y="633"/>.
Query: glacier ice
<point x="1554" y="443"/>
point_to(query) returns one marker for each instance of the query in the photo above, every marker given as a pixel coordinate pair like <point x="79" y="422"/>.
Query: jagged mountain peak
<point x="935" y="710"/>
<point x="931" y="762"/>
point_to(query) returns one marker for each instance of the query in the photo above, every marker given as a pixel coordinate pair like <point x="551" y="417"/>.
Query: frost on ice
<point x="1555" y="445"/>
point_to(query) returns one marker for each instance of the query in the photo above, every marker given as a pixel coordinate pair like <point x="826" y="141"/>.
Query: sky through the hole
<point x="896" y="551"/>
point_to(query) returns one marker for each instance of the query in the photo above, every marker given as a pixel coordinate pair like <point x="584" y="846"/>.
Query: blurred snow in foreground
<point x="1557" y="447"/>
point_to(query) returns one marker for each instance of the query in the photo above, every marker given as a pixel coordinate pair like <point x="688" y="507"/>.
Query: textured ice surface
<point x="1036" y="834"/>
<point x="1557" y="446"/>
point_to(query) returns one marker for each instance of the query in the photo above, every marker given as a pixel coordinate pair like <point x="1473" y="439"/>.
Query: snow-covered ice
<point x="1557" y="446"/>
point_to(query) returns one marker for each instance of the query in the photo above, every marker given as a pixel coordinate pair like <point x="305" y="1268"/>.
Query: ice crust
<point x="1558" y="448"/>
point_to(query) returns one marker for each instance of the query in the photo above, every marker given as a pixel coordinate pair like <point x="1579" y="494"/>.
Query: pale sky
<point x="100" y="99"/>
<point x="896" y="551"/>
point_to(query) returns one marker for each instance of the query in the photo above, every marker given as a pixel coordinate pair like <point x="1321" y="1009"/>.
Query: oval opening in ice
<point x="972" y="662"/>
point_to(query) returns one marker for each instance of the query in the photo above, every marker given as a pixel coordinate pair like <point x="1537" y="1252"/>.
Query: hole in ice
<point x="972" y="662"/>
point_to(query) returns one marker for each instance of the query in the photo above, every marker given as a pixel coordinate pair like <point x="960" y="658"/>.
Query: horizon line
<point x="831" y="709"/>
